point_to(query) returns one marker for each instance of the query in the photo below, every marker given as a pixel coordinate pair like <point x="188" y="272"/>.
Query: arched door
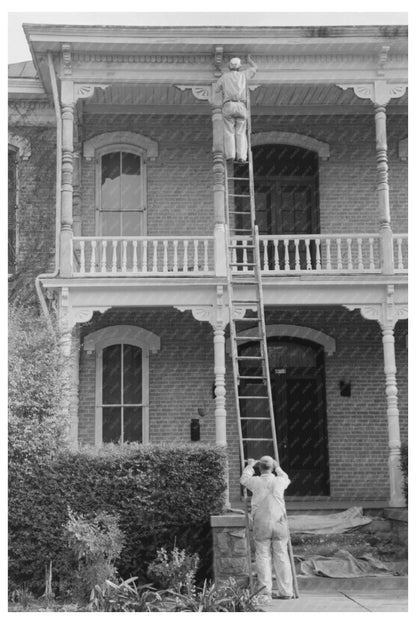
<point x="297" y="378"/>
<point x="286" y="196"/>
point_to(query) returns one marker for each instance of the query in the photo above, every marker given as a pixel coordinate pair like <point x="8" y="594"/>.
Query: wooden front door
<point x="298" y="387"/>
<point x="297" y="378"/>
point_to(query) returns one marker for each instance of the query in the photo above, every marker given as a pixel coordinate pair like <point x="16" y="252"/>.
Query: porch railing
<point x="143" y="255"/>
<point x="401" y="253"/>
<point x="314" y="253"/>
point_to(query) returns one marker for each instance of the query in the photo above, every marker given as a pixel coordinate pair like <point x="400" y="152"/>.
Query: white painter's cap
<point x="235" y="62"/>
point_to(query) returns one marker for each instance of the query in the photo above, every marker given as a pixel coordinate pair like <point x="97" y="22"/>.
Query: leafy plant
<point x="226" y="597"/>
<point x="173" y="569"/>
<point x="22" y="596"/>
<point x="94" y="544"/>
<point x="126" y="596"/>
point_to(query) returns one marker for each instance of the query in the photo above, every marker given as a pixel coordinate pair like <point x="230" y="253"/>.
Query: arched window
<point x="121" y="191"/>
<point x="122" y="382"/>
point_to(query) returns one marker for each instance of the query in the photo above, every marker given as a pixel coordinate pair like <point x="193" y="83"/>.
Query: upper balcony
<point x="195" y="256"/>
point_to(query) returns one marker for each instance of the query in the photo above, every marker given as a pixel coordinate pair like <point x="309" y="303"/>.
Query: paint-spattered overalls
<point x="233" y="86"/>
<point x="270" y="529"/>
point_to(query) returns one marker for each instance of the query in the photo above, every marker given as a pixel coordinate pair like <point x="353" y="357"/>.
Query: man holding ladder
<point x="270" y="527"/>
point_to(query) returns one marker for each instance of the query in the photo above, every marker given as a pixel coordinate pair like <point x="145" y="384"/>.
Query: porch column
<point x="219" y="183"/>
<point x="67" y="103"/>
<point x="396" y="479"/>
<point x="219" y="372"/>
<point x="383" y="190"/>
<point x="380" y="93"/>
<point x="387" y="315"/>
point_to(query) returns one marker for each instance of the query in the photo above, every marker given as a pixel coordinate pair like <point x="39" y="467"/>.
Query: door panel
<point x="297" y="377"/>
<point x="299" y="406"/>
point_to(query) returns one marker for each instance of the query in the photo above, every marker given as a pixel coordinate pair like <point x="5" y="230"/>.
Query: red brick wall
<point x="180" y="180"/>
<point x="181" y="378"/>
<point x="36" y="201"/>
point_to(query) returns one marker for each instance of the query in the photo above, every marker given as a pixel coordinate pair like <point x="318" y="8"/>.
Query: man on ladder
<point x="270" y="529"/>
<point x="233" y="87"/>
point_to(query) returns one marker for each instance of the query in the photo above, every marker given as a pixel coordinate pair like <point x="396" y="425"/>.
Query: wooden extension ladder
<point x="254" y="402"/>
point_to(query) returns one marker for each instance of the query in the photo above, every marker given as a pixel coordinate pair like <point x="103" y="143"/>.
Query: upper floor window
<point x="121" y="193"/>
<point x="12" y="206"/>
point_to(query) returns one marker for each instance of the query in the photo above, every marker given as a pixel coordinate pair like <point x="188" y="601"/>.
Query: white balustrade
<point x="318" y="253"/>
<point x="400" y="253"/>
<point x="150" y="255"/>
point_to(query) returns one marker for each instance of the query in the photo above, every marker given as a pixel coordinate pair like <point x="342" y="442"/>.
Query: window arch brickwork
<point x="275" y="137"/>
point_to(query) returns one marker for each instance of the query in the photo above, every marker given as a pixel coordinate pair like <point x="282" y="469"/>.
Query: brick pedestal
<point x="230" y="548"/>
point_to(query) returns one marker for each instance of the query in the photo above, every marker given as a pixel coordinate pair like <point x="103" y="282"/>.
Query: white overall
<point x="270" y="530"/>
<point x="233" y="85"/>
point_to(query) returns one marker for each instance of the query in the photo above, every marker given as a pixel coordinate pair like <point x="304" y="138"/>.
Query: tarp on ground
<point x="328" y="523"/>
<point x="343" y="565"/>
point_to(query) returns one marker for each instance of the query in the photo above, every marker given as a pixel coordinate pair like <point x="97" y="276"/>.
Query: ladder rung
<point x="253" y="318"/>
<point x="248" y="338"/>
<point x="243" y="263"/>
<point x="254" y="418"/>
<point x="245" y="212"/>
<point x="253" y="397"/>
<point x="242" y="229"/>
<point x="242" y="247"/>
<point x="246" y="179"/>
<point x="238" y="195"/>
<point x="250" y="357"/>
<point x="243" y="280"/>
<point x="263" y="377"/>
<point x="257" y="439"/>
<point x="250" y="302"/>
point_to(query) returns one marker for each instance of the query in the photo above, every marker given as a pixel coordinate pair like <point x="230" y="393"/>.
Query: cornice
<point x="36" y="31"/>
<point x="274" y="59"/>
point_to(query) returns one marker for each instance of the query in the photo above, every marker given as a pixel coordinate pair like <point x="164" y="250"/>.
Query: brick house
<point x="116" y="212"/>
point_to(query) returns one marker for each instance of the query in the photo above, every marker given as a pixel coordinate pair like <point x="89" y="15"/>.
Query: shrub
<point x="405" y="469"/>
<point x="37" y="431"/>
<point x="37" y="374"/>
<point x="163" y="495"/>
<point x="94" y="544"/>
<point x="173" y="569"/>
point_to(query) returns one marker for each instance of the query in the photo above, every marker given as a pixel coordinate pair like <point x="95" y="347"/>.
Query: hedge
<point x="164" y="494"/>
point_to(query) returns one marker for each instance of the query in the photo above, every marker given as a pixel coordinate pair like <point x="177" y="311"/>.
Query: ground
<point x="332" y="599"/>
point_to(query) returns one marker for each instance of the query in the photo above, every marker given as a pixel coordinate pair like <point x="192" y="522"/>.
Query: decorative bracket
<point x="200" y="92"/>
<point x="83" y="315"/>
<point x="84" y="91"/>
<point x="215" y="315"/>
<point x="386" y="314"/>
<point x="379" y="92"/>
